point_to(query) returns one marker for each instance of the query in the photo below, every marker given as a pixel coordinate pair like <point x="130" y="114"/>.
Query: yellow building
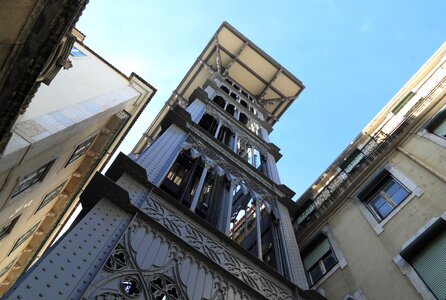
<point x="68" y="133"/>
<point x="373" y="225"/>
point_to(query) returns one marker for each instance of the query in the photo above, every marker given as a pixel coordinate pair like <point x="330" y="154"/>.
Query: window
<point x="76" y="52"/>
<point x="7" y="227"/>
<point x="6" y="269"/>
<point x="430" y="264"/>
<point x="23" y="238"/>
<point x="31" y="179"/>
<point x="383" y="195"/>
<point x="179" y="178"/>
<point x="318" y="258"/>
<point x="423" y="259"/>
<point x="80" y="150"/>
<point x="51" y="195"/>
<point x="437" y="125"/>
<point x="208" y="123"/>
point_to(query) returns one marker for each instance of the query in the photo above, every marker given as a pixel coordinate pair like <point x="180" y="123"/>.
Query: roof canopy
<point x="232" y="55"/>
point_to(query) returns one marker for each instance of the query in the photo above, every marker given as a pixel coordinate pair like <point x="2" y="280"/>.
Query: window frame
<point x="437" y="120"/>
<point x="75" y="155"/>
<point x="77" y="50"/>
<point x="9" y="226"/>
<point x="341" y="263"/>
<point x="8" y="267"/>
<point x="45" y="201"/>
<point x="427" y="132"/>
<point x="40" y="172"/>
<point x="410" y="186"/>
<point x="24" y="237"/>
<point x="381" y="193"/>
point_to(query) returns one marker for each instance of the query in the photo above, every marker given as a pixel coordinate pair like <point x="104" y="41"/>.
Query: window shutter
<point x="316" y="254"/>
<point x="430" y="263"/>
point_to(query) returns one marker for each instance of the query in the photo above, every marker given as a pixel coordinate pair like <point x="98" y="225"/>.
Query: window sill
<point x="326" y="276"/>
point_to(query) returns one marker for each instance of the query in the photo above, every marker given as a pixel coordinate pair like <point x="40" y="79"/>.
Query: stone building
<point x="198" y="210"/>
<point x="373" y="226"/>
<point x="68" y="133"/>
<point x="35" y="41"/>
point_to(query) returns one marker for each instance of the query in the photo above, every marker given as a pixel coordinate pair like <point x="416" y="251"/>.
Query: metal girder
<point x="209" y="68"/>
<point x="195" y="74"/>
<point x="218" y="55"/>
<point x="262" y="94"/>
<point x="277" y="100"/>
<point x="233" y="58"/>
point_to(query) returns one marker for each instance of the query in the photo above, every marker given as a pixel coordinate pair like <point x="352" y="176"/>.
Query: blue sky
<point x="352" y="56"/>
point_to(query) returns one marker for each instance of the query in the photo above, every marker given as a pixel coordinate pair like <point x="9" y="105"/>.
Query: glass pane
<point x="399" y="195"/>
<point x="381" y="207"/>
<point x="391" y="188"/>
<point x="329" y="261"/>
<point x="315" y="273"/>
<point x="316" y="254"/>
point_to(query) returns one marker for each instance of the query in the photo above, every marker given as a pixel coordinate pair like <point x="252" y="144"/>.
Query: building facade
<point x="35" y="41"/>
<point x="373" y="225"/>
<point x="69" y="131"/>
<point x="197" y="211"/>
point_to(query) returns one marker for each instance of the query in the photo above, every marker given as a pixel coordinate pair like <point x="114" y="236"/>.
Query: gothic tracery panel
<point x="147" y="264"/>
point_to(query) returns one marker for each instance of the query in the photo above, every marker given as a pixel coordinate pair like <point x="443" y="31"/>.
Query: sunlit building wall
<point x="68" y="132"/>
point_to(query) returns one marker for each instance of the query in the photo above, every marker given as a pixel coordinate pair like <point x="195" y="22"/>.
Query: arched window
<point x="220" y="101"/>
<point x="224" y="88"/>
<point x="177" y="177"/>
<point x="243" y="119"/>
<point x="208" y="123"/>
<point x="225" y="136"/>
<point x="230" y="109"/>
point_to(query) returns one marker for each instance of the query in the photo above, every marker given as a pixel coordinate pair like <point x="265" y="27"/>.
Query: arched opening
<point x="179" y="175"/>
<point x="225" y="89"/>
<point x="233" y="95"/>
<point x="230" y="109"/>
<point x="220" y="101"/>
<point x="243" y="103"/>
<point x="243" y="119"/>
<point x="225" y="136"/>
<point x="204" y="200"/>
<point x="208" y="123"/>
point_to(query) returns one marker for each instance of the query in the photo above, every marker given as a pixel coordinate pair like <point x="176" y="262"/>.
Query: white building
<point x="67" y="133"/>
